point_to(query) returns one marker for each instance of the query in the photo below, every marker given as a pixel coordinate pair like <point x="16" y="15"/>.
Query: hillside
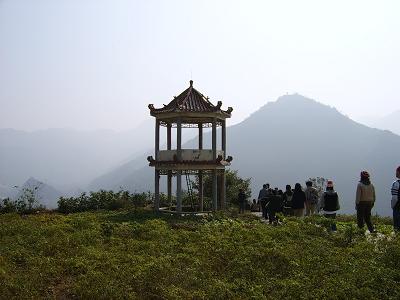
<point x="126" y="255"/>
<point x="294" y="138"/>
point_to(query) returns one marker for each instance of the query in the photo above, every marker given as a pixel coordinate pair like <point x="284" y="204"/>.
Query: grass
<point x="126" y="254"/>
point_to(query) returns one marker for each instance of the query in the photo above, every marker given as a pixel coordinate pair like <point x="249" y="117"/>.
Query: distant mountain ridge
<point x="295" y="138"/>
<point x="65" y="157"/>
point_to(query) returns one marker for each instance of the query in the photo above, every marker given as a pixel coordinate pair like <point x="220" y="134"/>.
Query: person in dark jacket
<point x="273" y="206"/>
<point x="298" y="200"/>
<point x="242" y="201"/>
<point x="287" y="201"/>
<point x="365" y="200"/>
<point x="330" y="203"/>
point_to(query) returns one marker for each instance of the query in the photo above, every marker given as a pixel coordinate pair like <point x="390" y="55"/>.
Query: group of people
<point x="299" y="202"/>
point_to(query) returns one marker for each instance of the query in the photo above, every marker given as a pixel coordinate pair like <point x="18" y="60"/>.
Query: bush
<point x="107" y="200"/>
<point x="25" y="204"/>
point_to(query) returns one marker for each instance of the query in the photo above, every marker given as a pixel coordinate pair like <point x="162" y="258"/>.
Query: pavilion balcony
<point x="188" y="155"/>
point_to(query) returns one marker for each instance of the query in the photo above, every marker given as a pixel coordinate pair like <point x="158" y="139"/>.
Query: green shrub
<point x="102" y="200"/>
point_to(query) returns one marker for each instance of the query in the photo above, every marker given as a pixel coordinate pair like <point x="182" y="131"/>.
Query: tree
<point x="233" y="183"/>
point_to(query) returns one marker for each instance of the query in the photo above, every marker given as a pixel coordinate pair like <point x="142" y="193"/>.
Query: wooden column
<point x="214" y="138"/>
<point x="214" y="176"/>
<point x="157" y="190"/>
<point x="214" y="190"/>
<point x="223" y="142"/>
<point x="157" y="172"/>
<point x="223" y="190"/>
<point x="157" y="140"/>
<point x="179" y="173"/>
<point x="201" y="195"/>
<point x="169" y="175"/>
<point x="223" y="178"/>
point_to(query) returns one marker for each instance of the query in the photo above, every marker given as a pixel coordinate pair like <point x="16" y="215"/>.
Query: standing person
<point x="395" y="203"/>
<point x="330" y="203"/>
<point x="298" y="200"/>
<point x="273" y="206"/>
<point x="254" y="206"/>
<point x="365" y="200"/>
<point x="262" y="198"/>
<point x="287" y="201"/>
<point x="242" y="201"/>
<point x="311" y="198"/>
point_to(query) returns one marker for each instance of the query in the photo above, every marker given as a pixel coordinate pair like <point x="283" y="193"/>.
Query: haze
<point x="97" y="64"/>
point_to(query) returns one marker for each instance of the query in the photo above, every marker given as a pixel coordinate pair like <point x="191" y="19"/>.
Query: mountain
<point x="390" y="122"/>
<point x="295" y="138"/>
<point x="68" y="158"/>
<point x="45" y="194"/>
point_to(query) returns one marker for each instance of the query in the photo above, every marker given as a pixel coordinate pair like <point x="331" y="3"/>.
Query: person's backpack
<point x="331" y="202"/>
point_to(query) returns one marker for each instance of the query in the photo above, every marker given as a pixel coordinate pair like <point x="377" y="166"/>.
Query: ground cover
<point x="136" y="254"/>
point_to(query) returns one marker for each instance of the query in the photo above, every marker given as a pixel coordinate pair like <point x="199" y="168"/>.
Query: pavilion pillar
<point x="201" y="195"/>
<point x="223" y="177"/>
<point x="157" y="172"/>
<point x="157" y="190"/>
<point x="179" y="172"/>
<point x="214" y="173"/>
<point x="169" y="173"/>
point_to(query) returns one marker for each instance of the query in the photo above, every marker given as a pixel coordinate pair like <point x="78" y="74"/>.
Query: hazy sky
<point x="97" y="64"/>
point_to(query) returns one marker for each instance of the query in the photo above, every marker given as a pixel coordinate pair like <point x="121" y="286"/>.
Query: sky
<point x="97" y="64"/>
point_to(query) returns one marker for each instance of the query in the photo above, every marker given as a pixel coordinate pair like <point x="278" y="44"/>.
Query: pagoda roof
<point x="190" y="101"/>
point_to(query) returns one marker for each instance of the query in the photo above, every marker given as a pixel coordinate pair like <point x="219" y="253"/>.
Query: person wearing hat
<point x="330" y="203"/>
<point x="395" y="203"/>
<point x="365" y="200"/>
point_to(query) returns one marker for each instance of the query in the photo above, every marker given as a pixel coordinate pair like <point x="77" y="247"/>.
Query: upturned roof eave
<point x="194" y="114"/>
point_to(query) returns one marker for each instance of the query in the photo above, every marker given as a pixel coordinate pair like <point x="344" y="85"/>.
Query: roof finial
<point x="191" y="82"/>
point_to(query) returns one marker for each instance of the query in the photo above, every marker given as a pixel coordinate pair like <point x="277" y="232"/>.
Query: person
<point x="329" y="203"/>
<point x="287" y="201"/>
<point x="242" y="201"/>
<point x="365" y="200"/>
<point x="273" y="206"/>
<point x="395" y="203"/>
<point x="280" y="193"/>
<point x="262" y="198"/>
<point x="254" y="206"/>
<point x="311" y="198"/>
<point x="298" y="200"/>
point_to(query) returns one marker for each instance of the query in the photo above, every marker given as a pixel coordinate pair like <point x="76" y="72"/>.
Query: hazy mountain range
<point x="67" y="158"/>
<point x="284" y="142"/>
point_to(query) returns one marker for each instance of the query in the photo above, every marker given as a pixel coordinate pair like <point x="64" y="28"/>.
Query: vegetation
<point x="137" y="254"/>
<point x="107" y="200"/>
<point x="25" y="204"/>
<point x="233" y="183"/>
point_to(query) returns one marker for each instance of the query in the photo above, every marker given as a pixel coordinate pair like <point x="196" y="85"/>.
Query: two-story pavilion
<point x="191" y="109"/>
